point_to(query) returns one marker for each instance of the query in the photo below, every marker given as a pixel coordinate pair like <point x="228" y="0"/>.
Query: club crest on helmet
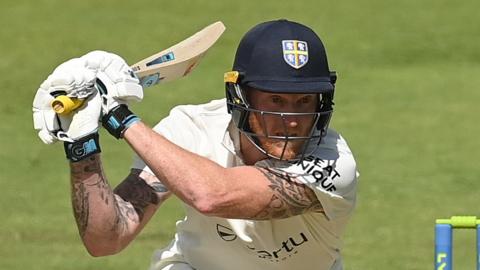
<point x="295" y="53"/>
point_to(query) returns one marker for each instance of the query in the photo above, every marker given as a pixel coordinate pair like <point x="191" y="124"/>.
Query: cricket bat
<point x="167" y="65"/>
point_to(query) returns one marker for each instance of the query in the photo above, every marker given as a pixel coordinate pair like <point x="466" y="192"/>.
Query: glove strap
<point x="82" y="148"/>
<point x="118" y="120"/>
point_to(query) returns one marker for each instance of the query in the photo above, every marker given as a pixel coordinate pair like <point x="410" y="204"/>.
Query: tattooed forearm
<point x="83" y="173"/>
<point x="102" y="213"/>
<point x="88" y="166"/>
<point x="80" y="207"/>
<point x="123" y="212"/>
<point x="90" y="189"/>
<point x="289" y="197"/>
<point x="140" y="189"/>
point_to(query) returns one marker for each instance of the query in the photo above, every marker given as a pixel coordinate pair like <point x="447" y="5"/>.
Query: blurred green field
<point x="407" y="102"/>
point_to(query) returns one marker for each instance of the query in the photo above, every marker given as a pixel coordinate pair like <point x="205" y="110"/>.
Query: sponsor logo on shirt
<point x="285" y="250"/>
<point x="226" y="233"/>
<point x="322" y="171"/>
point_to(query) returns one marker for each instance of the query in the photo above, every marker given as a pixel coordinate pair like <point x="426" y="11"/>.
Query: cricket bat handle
<point x="64" y="105"/>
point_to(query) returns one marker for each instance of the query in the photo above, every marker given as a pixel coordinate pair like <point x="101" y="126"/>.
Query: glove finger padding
<point x="118" y="83"/>
<point x="84" y="121"/>
<point x="117" y="93"/>
<point x="73" y="79"/>
<point x="80" y="78"/>
<point x="44" y="118"/>
<point x="118" y="86"/>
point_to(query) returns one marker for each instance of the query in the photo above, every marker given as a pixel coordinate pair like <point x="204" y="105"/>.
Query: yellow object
<point x="460" y="221"/>
<point x="231" y="77"/>
<point x="65" y="105"/>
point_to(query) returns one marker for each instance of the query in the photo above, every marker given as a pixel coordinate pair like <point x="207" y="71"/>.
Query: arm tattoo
<point x="123" y="212"/>
<point x="128" y="201"/>
<point x="80" y="206"/>
<point x="89" y="170"/>
<point x="140" y="190"/>
<point x="289" y="197"/>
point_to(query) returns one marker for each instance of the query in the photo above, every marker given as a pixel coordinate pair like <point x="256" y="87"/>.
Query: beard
<point x="281" y="149"/>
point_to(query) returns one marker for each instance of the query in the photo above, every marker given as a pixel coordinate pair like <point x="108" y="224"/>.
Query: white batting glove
<point x="116" y="81"/>
<point x="78" y="130"/>
<point x="106" y="84"/>
<point x="74" y="79"/>
<point x="118" y="86"/>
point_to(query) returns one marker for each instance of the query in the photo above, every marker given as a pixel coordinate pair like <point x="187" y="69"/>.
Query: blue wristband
<point x="118" y="120"/>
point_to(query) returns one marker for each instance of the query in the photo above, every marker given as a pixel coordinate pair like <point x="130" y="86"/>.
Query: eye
<point x="276" y="99"/>
<point x="306" y="99"/>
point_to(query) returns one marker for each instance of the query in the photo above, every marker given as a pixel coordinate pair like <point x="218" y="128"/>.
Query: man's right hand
<point x="115" y="80"/>
<point x="118" y="86"/>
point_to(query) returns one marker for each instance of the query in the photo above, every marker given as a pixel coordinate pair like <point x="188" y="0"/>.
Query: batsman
<point x="265" y="183"/>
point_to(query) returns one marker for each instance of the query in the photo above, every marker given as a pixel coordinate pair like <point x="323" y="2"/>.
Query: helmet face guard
<point x="240" y="109"/>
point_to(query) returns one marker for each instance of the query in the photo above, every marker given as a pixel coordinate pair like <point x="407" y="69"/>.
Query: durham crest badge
<point x="295" y="53"/>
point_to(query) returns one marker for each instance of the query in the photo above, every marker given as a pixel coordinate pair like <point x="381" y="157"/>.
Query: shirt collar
<point x="231" y="140"/>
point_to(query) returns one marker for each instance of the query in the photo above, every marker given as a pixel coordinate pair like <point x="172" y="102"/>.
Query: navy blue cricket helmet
<point x="280" y="57"/>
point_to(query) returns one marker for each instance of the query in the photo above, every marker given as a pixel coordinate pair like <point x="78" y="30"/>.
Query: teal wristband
<point x="82" y="148"/>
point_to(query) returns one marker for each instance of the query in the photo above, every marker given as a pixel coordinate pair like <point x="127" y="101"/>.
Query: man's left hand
<point x="74" y="79"/>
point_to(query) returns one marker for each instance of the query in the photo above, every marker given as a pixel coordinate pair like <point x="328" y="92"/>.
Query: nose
<point x="293" y="124"/>
<point x="291" y="121"/>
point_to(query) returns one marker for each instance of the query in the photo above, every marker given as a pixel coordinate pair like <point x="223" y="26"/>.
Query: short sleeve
<point x="333" y="181"/>
<point x="331" y="172"/>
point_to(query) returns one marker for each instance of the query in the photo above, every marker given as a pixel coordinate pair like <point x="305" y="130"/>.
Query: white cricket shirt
<point x="304" y="242"/>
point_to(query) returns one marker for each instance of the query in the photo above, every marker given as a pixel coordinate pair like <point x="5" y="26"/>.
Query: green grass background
<point x="407" y="102"/>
